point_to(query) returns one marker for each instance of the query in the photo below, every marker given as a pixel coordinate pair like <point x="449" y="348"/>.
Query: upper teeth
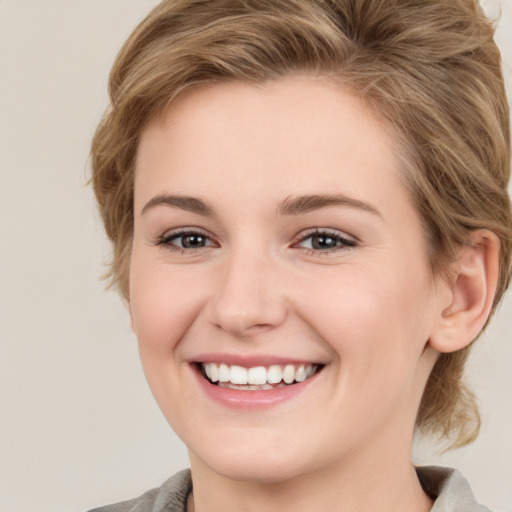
<point x="258" y="375"/>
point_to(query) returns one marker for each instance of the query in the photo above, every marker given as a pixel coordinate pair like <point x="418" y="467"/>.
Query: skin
<point x="367" y="310"/>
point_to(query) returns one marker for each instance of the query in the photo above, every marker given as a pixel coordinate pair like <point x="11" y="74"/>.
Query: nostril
<point x="259" y="327"/>
<point x="243" y="323"/>
<point x="243" y="330"/>
<point x="244" y="301"/>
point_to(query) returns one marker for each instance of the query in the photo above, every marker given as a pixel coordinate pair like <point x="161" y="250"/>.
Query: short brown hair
<point x="430" y="68"/>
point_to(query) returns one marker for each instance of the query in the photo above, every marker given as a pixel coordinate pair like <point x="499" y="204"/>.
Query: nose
<point x="248" y="298"/>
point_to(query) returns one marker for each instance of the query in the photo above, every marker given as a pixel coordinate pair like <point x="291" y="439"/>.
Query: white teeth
<point x="258" y="377"/>
<point x="224" y="373"/>
<point x="274" y="374"/>
<point x="289" y="373"/>
<point x="300" y="374"/>
<point x="214" y="372"/>
<point x="238" y="375"/>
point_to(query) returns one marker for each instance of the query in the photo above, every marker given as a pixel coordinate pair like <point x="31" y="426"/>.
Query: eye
<point x="325" y="241"/>
<point x="188" y="239"/>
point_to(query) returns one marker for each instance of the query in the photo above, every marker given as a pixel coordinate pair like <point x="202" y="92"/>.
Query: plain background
<point x="78" y="426"/>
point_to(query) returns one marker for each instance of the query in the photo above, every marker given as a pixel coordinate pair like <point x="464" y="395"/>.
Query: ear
<point x="472" y="292"/>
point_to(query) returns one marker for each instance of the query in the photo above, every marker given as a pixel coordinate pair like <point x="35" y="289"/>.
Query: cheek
<point x="371" y="315"/>
<point x="163" y="304"/>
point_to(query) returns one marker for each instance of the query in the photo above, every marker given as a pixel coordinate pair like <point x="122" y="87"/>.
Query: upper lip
<point x="251" y="361"/>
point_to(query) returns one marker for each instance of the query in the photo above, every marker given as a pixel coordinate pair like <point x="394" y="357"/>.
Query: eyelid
<point x="168" y="236"/>
<point x="347" y="241"/>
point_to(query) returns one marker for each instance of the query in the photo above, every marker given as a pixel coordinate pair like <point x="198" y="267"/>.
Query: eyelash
<point x="342" y="243"/>
<point x="167" y="239"/>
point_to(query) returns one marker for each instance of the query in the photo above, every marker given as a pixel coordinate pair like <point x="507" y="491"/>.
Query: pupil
<point x="323" y="242"/>
<point x="193" y="241"/>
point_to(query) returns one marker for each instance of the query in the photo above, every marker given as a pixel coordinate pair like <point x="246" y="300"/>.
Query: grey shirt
<point x="447" y="486"/>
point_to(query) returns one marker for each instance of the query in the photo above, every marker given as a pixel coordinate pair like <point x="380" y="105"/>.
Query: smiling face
<point x="277" y="251"/>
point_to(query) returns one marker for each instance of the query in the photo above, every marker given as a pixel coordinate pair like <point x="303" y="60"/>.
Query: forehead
<point x="294" y="135"/>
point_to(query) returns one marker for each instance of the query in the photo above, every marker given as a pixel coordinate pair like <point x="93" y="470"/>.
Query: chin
<point x="261" y="472"/>
<point x="257" y="465"/>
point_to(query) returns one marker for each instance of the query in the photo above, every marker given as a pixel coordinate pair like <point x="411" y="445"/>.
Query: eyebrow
<point x="187" y="203"/>
<point x="308" y="203"/>
<point x="290" y="206"/>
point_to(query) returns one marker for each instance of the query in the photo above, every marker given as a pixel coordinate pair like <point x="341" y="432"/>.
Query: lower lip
<point x="245" y="399"/>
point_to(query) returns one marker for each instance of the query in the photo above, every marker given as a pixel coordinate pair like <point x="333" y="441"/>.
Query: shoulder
<point x="450" y="489"/>
<point x="171" y="496"/>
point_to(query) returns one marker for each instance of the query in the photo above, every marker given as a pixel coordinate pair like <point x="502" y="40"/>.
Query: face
<point x="279" y="288"/>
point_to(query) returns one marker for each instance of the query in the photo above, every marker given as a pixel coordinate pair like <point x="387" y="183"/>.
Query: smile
<point x="258" y="378"/>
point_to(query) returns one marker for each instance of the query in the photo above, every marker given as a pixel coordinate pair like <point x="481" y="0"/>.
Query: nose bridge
<point x="247" y="298"/>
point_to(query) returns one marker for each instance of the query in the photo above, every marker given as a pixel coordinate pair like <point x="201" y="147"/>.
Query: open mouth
<point x="258" y="378"/>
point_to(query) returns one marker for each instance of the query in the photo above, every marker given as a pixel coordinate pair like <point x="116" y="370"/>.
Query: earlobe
<point x="472" y="288"/>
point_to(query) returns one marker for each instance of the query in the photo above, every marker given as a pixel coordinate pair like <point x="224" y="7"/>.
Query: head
<point x="430" y="71"/>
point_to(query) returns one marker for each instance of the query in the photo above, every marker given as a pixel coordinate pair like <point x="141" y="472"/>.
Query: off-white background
<point x="78" y="426"/>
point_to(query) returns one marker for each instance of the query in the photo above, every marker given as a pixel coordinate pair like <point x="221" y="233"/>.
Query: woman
<point x="309" y="211"/>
